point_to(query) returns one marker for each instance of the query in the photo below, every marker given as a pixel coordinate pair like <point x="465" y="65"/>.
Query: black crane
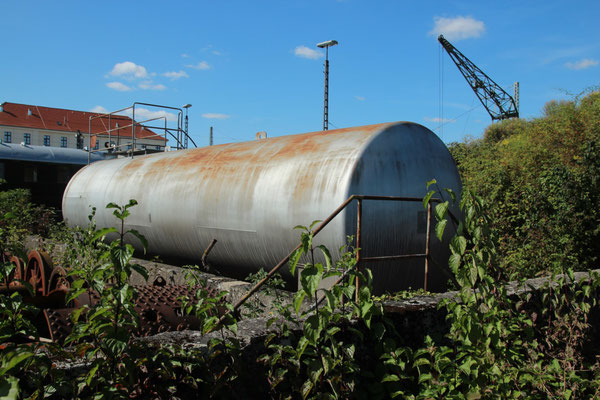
<point x="499" y="104"/>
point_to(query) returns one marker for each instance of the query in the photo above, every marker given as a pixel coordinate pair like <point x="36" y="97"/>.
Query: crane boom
<point x="499" y="104"/>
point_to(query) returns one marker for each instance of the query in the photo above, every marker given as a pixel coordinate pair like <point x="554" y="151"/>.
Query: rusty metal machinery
<point x="158" y="305"/>
<point x="250" y="195"/>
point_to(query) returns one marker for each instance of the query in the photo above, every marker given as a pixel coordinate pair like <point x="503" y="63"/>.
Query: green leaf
<point x="92" y="372"/>
<point x="465" y="367"/>
<point x="454" y="262"/>
<point x="140" y="237"/>
<point x="330" y="300"/>
<point x="310" y="278"/>
<point x="439" y="229"/>
<point x="312" y="328"/>
<point x="140" y="270"/>
<point x="390" y="378"/>
<point x="424" y="377"/>
<point x="9" y="387"/>
<point x="294" y="258"/>
<point x="315" y="222"/>
<point x="451" y="193"/>
<point x="74" y="294"/>
<point x="298" y="298"/>
<point x="427" y="198"/>
<point x="458" y="245"/>
<point x="306" y="388"/>
<point x="431" y="182"/>
<point x="421" y="361"/>
<point x="302" y="344"/>
<point x="327" y="255"/>
<point x="132" y="202"/>
<point x="14" y="358"/>
<point x="100" y="234"/>
<point x="440" y="210"/>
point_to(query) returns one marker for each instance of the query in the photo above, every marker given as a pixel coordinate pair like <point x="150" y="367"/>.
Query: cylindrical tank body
<point x="250" y="195"/>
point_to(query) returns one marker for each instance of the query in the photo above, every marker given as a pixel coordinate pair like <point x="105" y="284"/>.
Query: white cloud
<point x="99" y="110"/>
<point x="457" y="28"/>
<point x="202" y="65"/>
<point x="582" y="64"/>
<point x="185" y="55"/>
<point x="305" y="52"/>
<point x="360" y="98"/>
<point x="128" y="69"/>
<point x="174" y="75"/>
<point x="215" y="116"/>
<point x="439" y="120"/>
<point x="143" y="114"/>
<point x="217" y="53"/>
<point x="118" y="86"/>
<point x="149" y="85"/>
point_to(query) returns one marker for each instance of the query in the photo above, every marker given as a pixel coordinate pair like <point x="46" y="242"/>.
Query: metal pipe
<point x="427" y="237"/>
<point x="89" y="138"/>
<point x="133" y="127"/>
<point x="391" y="258"/>
<point x="277" y="267"/>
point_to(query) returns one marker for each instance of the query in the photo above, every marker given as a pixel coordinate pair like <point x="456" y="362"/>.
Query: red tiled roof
<point x="58" y="119"/>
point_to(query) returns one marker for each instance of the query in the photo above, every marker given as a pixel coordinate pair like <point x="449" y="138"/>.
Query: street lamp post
<point x="185" y="140"/>
<point x="326" y="45"/>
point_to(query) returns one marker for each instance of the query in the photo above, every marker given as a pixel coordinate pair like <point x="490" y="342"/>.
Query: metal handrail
<point x="181" y="131"/>
<point x="323" y="224"/>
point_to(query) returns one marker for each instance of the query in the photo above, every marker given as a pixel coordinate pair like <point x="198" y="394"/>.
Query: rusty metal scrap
<point x="159" y="306"/>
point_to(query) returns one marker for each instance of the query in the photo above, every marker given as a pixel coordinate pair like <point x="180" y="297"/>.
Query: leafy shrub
<point x="541" y="176"/>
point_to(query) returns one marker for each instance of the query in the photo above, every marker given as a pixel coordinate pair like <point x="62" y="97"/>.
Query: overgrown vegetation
<point x="537" y="213"/>
<point x="542" y="178"/>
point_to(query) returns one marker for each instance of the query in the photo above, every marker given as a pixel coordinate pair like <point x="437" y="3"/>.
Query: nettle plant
<point x="320" y="360"/>
<point x="497" y="345"/>
<point x="104" y="327"/>
<point x="213" y="372"/>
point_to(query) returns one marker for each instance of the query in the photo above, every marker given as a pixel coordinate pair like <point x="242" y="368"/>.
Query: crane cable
<point x="441" y="91"/>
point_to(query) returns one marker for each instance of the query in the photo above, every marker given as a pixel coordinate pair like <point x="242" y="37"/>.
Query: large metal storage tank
<point x="250" y="195"/>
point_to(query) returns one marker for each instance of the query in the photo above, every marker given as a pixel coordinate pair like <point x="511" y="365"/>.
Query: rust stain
<point x="240" y="162"/>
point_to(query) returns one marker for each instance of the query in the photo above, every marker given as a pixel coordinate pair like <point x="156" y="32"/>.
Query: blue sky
<point x="250" y="66"/>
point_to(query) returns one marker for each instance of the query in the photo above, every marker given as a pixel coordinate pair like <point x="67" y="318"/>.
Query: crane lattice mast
<point x="498" y="103"/>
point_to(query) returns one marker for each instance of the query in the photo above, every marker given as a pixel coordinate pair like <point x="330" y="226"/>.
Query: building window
<point x="7" y="137"/>
<point x="46" y="140"/>
<point x="63" y="141"/>
<point x="27" y="138"/>
<point x="157" y="147"/>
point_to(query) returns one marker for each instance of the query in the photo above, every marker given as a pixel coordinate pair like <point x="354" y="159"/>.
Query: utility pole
<point x="210" y="139"/>
<point x="326" y="45"/>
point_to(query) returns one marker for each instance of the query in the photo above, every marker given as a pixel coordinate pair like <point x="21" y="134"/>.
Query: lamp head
<point x="328" y="43"/>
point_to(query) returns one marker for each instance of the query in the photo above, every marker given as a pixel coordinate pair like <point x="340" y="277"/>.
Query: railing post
<point x="358" y="229"/>
<point x="427" y="245"/>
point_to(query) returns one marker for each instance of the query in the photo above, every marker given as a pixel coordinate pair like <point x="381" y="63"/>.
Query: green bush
<point x="542" y="177"/>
